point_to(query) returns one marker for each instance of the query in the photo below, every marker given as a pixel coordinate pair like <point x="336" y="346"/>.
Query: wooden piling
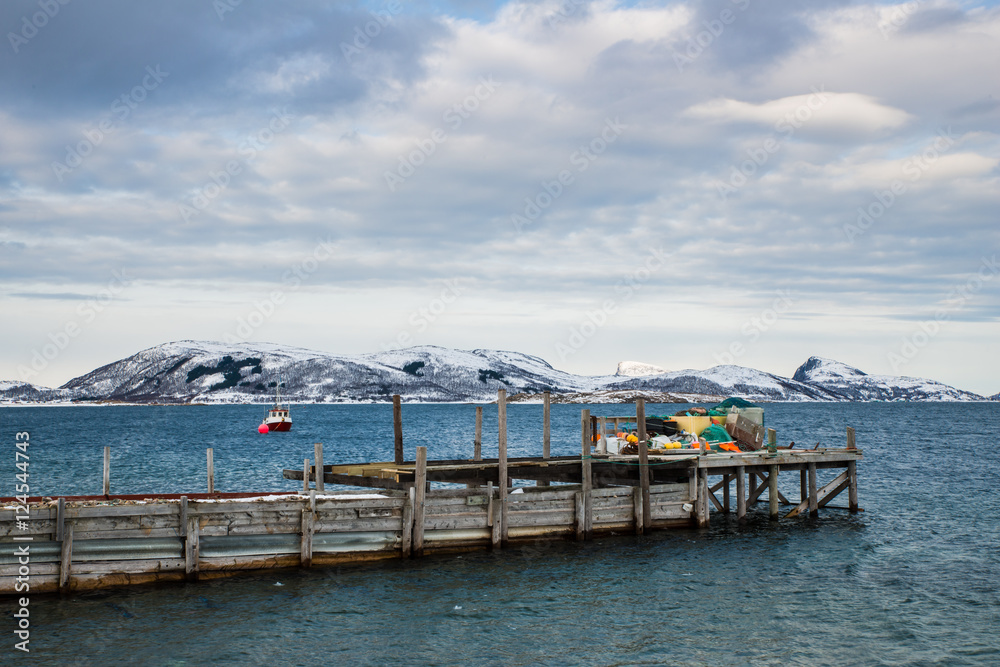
<point x="852" y="485"/>
<point x="602" y="440"/>
<point x="803" y="484"/>
<point x="586" y="476"/>
<point x="851" y="444"/>
<point x="502" y="462"/>
<point x="772" y="492"/>
<point x="306" y="548"/>
<point x="420" y="495"/>
<point x="406" y="535"/>
<point x="741" y="493"/>
<point x="640" y="418"/>
<point x="211" y="470"/>
<point x="318" y="456"/>
<point x="637" y="509"/>
<point x="647" y="514"/>
<point x="813" y="503"/>
<point x="191" y="547"/>
<point x="752" y="487"/>
<point x="397" y="428"/>
<point x="107" y="471"/>
<point x="702" y="503"/>
<point x="725" y="494"/>
<point x="306" y="472"/>
<point x="60" y="518"/>
<point x="66" y="557"/>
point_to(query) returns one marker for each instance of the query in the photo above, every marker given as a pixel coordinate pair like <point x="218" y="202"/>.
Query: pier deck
<point x="78" y="543"/>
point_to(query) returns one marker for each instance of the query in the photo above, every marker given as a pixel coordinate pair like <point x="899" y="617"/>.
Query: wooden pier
<point x="83" y="543"/>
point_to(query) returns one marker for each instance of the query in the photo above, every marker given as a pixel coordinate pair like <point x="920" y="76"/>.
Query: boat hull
<point x="279" y="425"/>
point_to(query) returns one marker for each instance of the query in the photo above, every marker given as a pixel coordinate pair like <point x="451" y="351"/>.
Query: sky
<point x="678" y="183"/>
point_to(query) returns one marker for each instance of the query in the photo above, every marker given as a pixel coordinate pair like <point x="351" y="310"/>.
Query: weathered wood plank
<point x="772" y="493"/>
<point x="397" y="429"/>
<point x="407" y="528"/>
<point x="318" y="457"/>
<point x="502" y="462"/>
<point x="66" y="557"/>
<point x="741" y="493"/>
<point x="305" y="557"/>
<point x="647" y="517"/>
<point x="420" y="491"/>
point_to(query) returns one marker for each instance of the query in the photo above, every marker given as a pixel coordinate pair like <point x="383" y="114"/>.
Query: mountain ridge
<point x="189" y="371"/>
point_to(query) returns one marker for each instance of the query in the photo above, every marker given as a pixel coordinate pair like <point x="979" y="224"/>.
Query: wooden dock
<point x="83" y="543"/>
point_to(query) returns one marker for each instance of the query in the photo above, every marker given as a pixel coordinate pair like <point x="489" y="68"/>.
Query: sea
<point x="914" y="579"/>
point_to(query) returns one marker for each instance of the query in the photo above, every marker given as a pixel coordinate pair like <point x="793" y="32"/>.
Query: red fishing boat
<point x="278" y="418"/>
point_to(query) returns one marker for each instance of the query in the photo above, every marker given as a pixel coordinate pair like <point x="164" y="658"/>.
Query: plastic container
<point x="693" y="424"/>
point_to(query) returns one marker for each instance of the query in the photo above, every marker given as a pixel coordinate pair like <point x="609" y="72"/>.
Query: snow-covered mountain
<point x="850" y="384"/>
<point x="210" y="372"/>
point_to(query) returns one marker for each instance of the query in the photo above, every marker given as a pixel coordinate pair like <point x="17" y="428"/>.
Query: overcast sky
<point x="679" y="183"/>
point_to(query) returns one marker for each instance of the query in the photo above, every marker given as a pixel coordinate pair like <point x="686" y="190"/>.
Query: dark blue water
<point x="913" y="580"/>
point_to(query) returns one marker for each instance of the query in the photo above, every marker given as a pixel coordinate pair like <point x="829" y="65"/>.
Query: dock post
<point x="637" y="509"/>
<point x="546" y="430"/>
<point x="318" y="454"/>
<point x="107" y="471"/>
<point x="772" y="441"/>
<point x="804" y="484"/>
<point x="66" y="557"/>
<point x="60" y="518"/>
<point x="702" y="503"/>
<point x="852" y="485"/>
<point x="741" y="492"/>
<point x="602" y="440"/>
<point x="640" y="418"/>
<point x="725" y="493"/>
<point x="586" y="476"/>
<point x="305" y="476"/>
<point x="502" y="461"/>
<point x="420" y="494"/>
<point x="191" y="546"/>
<point x="813" y="501"/>
<point x="647" y="514"/>
<point x="211" y="469"/>
<point x="397" y="428"/>
<point x="407" y="533"/>
<point x="752" y="485"/>
<point x="772" y="491"/>
<point x="851" y="444"/>
<point x="306" y="545"/>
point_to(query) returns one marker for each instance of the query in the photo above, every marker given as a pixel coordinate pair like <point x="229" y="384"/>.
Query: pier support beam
<point x="502" y="463"/>
<point x="420" y="494"/>
<point x="702" y="503"/>
<point x="397" y="428"/>
<point x="813" y="502"/>
<point x="772" y="493"/>
<point x="741" y="492"/>
<point x="640" y="418"/>
<point x="852" y="486"/>
<point x="318" y="453"/>
<point x="647" y="511"/>
<point x="66" y="557"/>
<point x="546" y="430"/>
<point x="306" y="546"/>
